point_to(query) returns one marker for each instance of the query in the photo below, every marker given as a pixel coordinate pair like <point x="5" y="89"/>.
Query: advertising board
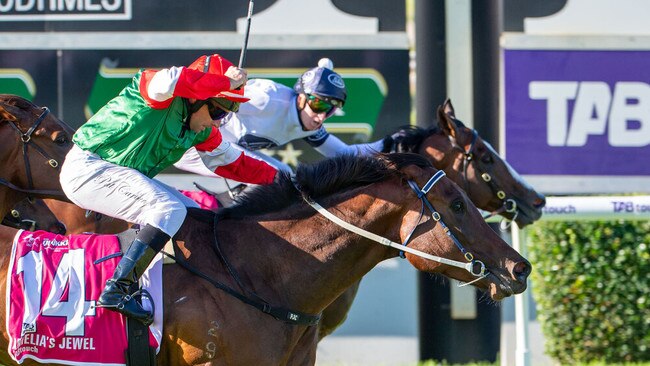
<point x="577" y="112"/>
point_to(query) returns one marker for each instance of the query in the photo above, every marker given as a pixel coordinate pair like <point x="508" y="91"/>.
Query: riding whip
<point x="242" y="56"/>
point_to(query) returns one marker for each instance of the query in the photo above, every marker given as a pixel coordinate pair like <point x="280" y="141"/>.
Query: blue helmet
<point x="323" y="83"/>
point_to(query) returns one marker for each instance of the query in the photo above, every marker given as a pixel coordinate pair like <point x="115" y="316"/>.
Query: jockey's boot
<point x="116" y="295"/>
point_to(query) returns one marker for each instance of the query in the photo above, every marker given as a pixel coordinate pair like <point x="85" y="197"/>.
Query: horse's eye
<point x="61" y="140"/>
<point x="487" y="159"/>
<point x="458" y="206"/>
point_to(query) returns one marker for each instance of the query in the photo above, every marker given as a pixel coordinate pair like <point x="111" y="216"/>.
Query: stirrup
<point x="128" y="297"/>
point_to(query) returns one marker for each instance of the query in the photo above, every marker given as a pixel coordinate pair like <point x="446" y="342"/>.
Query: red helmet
<point x="215" y="64"/>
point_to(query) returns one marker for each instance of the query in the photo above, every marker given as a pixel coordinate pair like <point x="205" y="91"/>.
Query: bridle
<point x="473" y="266"/>
<point x="26" y="138"/>
<point x="509" y="205"/>
<point x="18" y="223"/>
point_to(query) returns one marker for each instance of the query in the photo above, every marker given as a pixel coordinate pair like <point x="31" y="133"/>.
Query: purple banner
<point x="577" y="112"/>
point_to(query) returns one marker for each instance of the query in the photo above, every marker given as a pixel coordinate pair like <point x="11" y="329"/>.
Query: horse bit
<point x="473" y="266"/>
<point x="509" y="205"/>
<point x="26" y="138"/>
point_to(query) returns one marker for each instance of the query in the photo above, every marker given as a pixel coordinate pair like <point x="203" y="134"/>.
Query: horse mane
<point x="319" y="180"/>
<point x="410" y="137"/>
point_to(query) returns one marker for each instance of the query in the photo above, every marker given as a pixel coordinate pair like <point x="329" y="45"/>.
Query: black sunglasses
<point x="216" y="112"/>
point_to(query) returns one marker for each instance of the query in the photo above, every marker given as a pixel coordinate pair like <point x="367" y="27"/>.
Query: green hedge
<point x="591" y="282"/>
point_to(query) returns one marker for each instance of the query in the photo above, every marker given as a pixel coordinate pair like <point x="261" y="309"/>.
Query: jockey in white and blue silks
<point x="277" y="114"/>
<point x="145" y="129"/>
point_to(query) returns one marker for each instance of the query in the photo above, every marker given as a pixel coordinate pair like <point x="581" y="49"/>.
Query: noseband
<point x="26" y="138"/>
<point x="473" y="266"/>
<point x="509" y="205"/>
<point x="18" y="223"/>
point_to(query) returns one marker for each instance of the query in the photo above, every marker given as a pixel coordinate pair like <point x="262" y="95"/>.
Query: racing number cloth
<point x="52" y="287"/>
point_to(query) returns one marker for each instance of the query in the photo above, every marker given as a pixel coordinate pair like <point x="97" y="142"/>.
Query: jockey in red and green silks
<point x="145" y="129"/>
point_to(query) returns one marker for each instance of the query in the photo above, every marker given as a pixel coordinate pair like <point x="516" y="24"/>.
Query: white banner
<point x="576" y="208"/>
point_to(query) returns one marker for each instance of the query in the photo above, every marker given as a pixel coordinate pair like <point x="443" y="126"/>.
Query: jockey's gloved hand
<point x="392" y="142"/>
<point x="237" y="76"/>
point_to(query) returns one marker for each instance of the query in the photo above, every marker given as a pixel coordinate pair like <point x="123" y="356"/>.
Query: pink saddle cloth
<point x="53" y="284"/>
<point x="205" y="200"/>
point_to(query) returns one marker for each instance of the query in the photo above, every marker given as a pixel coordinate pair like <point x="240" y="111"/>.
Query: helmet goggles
<point x="216" y="112"/>
<point x="322" y="105"/>
<point x="220" y="107"/>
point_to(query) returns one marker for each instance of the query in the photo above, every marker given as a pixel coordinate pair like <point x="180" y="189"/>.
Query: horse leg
<point x="335" y="314"/>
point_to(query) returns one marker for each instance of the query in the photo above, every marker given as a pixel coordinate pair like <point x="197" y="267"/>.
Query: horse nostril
<point x="522" y="270"/>
<point x="540" y="201"/>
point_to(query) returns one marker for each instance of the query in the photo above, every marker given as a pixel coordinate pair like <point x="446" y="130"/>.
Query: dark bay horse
<point x="279" y="248"/>
<point x="34" y="144"/>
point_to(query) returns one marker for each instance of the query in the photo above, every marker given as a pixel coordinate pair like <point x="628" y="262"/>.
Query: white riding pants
<point x="124" y="193"/>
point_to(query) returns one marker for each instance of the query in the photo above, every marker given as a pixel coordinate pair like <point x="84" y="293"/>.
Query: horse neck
<point x="300" y="259"/>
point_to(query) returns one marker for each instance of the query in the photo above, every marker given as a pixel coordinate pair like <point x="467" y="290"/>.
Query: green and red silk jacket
<point x="143" y="127"/>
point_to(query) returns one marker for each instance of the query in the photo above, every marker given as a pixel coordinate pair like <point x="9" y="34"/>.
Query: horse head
<point x="491" y="183"/>
<point x="402" y="198"/>
<point x="35" y="145"/>
<point x="33" y="214"/>
<point x="443" y="223"/>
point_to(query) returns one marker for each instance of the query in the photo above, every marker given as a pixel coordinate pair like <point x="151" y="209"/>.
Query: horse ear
<point x="449" y="108"/>
<point x="5" y="115"/>
<point x="446" y="119"/>
<point x="411" y="172"/>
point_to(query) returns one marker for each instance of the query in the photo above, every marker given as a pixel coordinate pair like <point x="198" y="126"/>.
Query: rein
<point x="470" y="266"/>
<point x="26" y="138"/>
<point x="509" y="204"/>
<point x="248" y="297"/>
